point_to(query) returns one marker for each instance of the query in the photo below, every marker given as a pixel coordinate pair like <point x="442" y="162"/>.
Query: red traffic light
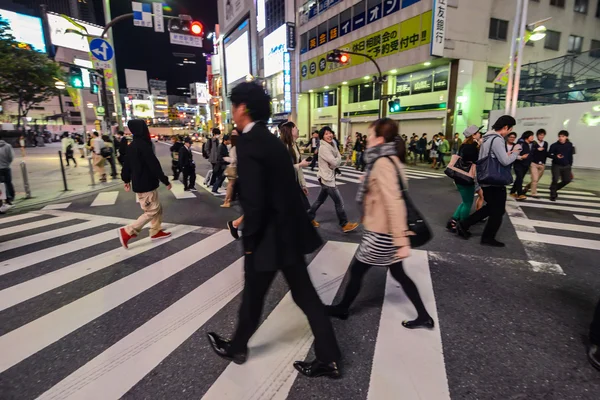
<point x="344" y="58"/>
<point x="196" y="28"/>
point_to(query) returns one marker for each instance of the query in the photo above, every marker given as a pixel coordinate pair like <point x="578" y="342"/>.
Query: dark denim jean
<point x="334" y="193"/>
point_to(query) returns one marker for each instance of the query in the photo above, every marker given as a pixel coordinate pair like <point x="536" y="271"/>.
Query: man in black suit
<point x="277" y="235"/>
<point x="187" y="165"/>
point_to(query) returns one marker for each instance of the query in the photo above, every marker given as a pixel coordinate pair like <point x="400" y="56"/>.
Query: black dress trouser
<point x="256" y="285"/>
<point x="595" y="326"/>
<point x="520" y="172"/>
<point x="494" y="209"/>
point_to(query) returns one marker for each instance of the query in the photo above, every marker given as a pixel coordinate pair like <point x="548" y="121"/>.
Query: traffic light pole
<point x="109" y="23"/>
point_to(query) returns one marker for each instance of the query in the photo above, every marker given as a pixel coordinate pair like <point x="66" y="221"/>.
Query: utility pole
<point x="517" y="79"/>
<point x="113" y="62"/>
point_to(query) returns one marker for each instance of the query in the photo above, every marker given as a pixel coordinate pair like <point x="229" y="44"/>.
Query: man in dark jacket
<point x="142" y="173"/>
<point x="277" y="234"/>
<point x="539" y="154"/>
<point x="121" y="144"/>
<point x="561" y="154"/>
<point x="212" y="148"/>
<point x="187" y="166"/>
<point x="422" y="148"/>
<point x="175" y="148"/>
<point x="219" y="173"/>
<point x="521" y="165"/>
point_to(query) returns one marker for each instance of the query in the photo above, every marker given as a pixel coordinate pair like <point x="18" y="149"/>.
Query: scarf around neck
<point x="371" y="155"/>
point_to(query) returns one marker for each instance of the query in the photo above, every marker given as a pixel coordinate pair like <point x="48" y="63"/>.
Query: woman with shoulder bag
<point x="386" y="241"/>
<point x="289" y="136"/>
<point x="231" y="170"/>
<point x="469" y="152"/>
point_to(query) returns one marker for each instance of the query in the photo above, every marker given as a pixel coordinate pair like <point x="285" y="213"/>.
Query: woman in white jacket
<point x="329" y="160"/>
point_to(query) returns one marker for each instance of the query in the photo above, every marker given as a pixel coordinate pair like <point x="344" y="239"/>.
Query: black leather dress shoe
<point x="462" y="231"/>
<point x="318" y="368"/>
<point x="594" y="356"/>
<point x="223" y="349"/>
<point x="337" y="311"/>
<point x="492" y="242"/>
<point x="233" y="230"/>
<point x="419" y="323"/>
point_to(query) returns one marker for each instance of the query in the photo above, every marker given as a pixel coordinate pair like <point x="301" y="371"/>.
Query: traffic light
<point x="94" y="83"/>
<point x="196" y="28"/>
<point x="338" y="57"/>
<point x="394" y="106"/>
<point x="75" y="77"/>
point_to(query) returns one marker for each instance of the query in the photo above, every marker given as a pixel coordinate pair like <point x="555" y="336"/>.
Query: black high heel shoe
<point x="337" y="312"/>
<point x="419" y="323"/>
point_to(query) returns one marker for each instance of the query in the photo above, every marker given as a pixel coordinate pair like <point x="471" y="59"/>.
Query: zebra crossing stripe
<point x="15" y="218"/>
<point x="25" y="341"/>
<point x="555" y="225"/>
<point x="568" y="202"/>
<point x="567" y="192"/>
<point x="337" y="178"/>
<point x="558" y="207"/>
<point x="315" y="179"/>
<point x="111" y="374"/>
<point x="30" y="259"/>
<point x="424" y="173"/>
<point x="416" y="367"/>
<point x="29" y="289"/>
<point x="574" y="197"/>
<point x="560" y="240"/>
<point x="33" y="225"/>
<point x="587" y="219"/>
<point x="179" y="193"/>
<point x="105" y="199"/>
<point x="59" y="206"/>
<point x="410" y="176"/>
<point x="40" y="237"/>
<point x="270" y="374"/>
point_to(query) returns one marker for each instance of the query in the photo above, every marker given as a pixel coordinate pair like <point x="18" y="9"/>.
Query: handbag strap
<point x="402" y="188"/>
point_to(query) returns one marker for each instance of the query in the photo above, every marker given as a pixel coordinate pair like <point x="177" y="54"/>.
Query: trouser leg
<point x="464" y="209"/>
<point x="357" y="272"/>
<point x="495" y="196"/>
<point x="6" y="174"/>
<point x="555" y="178"/>
<point x="256" y="285"/>
<point x="595" y="326"/>
<point x="565" y="177"/>
<point x="318" y="203"/>
<point x="409" y="287"/>
<point x="152" y="213"/>
<point x="336" y="196"/>
<point x="306" y="297"/>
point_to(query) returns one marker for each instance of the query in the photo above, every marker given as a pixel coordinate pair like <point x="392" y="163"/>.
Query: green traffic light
<point x="76" y="82"/>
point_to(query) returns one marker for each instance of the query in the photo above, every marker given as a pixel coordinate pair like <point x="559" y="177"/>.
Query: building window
<point x="304" y="43"/>
<point x="558" y="3"/>
<point x="363" y="92"/>
<point x="581" y="6"/>
<point x="595" y="49"/>
<point x="575" y="44"/>
<point x="353" y="94"/>
<point x="552" y="40"/>
<point x="274" y="15"/>
<point x="327" y="99"/>
<point x="492" y="73"/>
<point x="498" y="29"/>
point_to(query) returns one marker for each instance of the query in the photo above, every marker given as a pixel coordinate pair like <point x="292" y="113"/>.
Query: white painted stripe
<point x="59" y="206"/>
<point x="34" y="287"/>
<point x="111" y="374"/>
<point x="311" y="185"/>
<point x="40" y="237"/>
<point x="560" y="240"/>
<point x="567" y="192"/>
<point x="561" y="201"/>
<point x="572" y="197"/>
<point x="315" y="179"/>
<point x="555" y="225"/>
<point x="33" y="225"/>
<point x="337" y="178"/>
<point x="286" y="333"/>
<point x="557" y="207"/>
<point x="410" y="176"/>
<point x="410" y="362"/>
<point x="15" y="218"/>
<point x="25" y="341"/>
<point x="179" y="193"/>
<point x="425" y="173"/>
<point x="587" y="219"/>
<point x="30" y="259"/>
<point x="105" y="199"/>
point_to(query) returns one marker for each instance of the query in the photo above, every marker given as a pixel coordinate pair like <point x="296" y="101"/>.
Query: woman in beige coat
<point x="385" y="241"/>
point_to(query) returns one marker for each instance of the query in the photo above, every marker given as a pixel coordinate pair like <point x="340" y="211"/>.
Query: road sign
<point x="102" y="52"/>
<point x="100" y="111"/>
<point x="142" y="14"/>
<point x="185" y="40"/>
<point x="159" y="20"/>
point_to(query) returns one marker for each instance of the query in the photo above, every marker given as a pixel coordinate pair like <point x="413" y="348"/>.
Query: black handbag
<point x="415" y="220"/>
<point x="491" y="172"/>
<point x="463" y="172"/>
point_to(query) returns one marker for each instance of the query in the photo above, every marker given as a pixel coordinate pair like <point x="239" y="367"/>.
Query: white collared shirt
<point x="248" y="127"/>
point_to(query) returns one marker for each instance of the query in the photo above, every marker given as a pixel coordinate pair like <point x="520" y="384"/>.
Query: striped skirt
<point x="377" y="249"/>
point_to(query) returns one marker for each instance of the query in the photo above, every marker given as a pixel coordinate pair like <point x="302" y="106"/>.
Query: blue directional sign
<point x="101" y="49"/>
<point x="374" y="14"/>
<point x="407" y="3"/>
<point x="390" y="7"/>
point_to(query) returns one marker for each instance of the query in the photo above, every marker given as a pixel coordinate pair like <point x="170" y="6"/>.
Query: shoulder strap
<point x="402" y="188"/>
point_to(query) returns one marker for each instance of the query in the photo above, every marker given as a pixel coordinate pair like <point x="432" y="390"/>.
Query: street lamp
<point x="90" y="104"/>
<point x="60" y="85"/>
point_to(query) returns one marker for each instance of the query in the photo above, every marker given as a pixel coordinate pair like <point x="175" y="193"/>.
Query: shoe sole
<point x="229" y="228"/>
<point x="160" y="238"/>
<point x="324" y="374"/>
<point x="350" y="230"/>
<point x="121" y="239"/>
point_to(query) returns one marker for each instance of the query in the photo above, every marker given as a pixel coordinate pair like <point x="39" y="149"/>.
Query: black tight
<point x="358" y="269"/>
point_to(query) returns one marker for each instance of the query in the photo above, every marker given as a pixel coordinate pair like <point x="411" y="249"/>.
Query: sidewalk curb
<point x="20" y="206"/>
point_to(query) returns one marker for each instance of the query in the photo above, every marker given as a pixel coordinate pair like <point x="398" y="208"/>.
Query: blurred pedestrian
<point x="213" y="152"/>
<point x="7" y="155"/>
<point x="456" y="143"/>
<point x="96" y="145"/>
<point x="561" y="154"/>
<point x="289" y="136"/>
<point x="385" y="241"/>
<point x="142" y="173"/>
<point x="359" y="149"/>
<point x="231" y="170"/>
<point x="187" y="166"/>
<point x="175" y="148"/>
<point x="521" y="165"/>
<point x="121" y="144"/>
<point x="314" y="149"/>
<point x="108" y="152"/>
<point x="443" y="150"/>
<point x="539" y="154"/>
<point x="22" y="145"/>
<point x="68" y="148"/>
<point x="221" y="164"/>
<point x="276" y="235"/>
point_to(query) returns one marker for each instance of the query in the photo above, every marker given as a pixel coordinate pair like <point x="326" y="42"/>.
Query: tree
<point x="26" y="76"/>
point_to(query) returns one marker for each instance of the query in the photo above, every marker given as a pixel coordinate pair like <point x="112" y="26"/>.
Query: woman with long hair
<point x="289" y="136"/>
<point x="385" y="242"/>
<point x="231" y="169"/>
<point x="469" y="152"/>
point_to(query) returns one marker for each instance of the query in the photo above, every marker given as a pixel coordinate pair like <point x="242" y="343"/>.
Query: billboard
<point x="157" y="87"/>
<point x="59" y="36"/>
<point x="274" y="45"/>
<point x="142" y="108"/>
<point x="136" y="79"/>
<point x="26" y="29"/>
<point x="237" y="58"/>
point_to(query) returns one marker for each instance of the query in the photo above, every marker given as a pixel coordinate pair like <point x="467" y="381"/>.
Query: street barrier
<point x="25" y="180"/>
<point x="91" y="171"/>
<point x="62" y="170"/>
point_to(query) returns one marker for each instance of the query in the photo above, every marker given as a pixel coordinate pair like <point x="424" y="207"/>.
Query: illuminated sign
<point x="274" y="46"/>
<point x="27" y="30"/>
<point x="287" y="83"/>
<point x="142" y="108"/>
<point x="59" y="36"/>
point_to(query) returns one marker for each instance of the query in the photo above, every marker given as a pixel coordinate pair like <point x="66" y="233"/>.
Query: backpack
<point x="106" y="152"/>
<point x="69" y="149"/>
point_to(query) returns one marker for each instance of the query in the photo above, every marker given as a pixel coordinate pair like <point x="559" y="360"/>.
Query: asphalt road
<point x="82" y="318"/>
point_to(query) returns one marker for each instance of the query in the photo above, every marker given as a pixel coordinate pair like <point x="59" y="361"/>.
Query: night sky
<point x="144" y="49"/>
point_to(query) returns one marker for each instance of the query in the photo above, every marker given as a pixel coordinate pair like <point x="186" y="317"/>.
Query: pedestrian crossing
<point x="59" y="310"/>
<point x="568" y="222"/>
<point x="351" y="175"/>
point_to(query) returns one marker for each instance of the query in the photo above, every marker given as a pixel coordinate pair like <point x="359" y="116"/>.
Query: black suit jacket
<point x="277" y="230"/>
<point x="186" y="159"/>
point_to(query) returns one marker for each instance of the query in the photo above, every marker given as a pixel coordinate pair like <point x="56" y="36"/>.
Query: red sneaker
<point x="125" y="237"/>
<point x="161" y="235"/>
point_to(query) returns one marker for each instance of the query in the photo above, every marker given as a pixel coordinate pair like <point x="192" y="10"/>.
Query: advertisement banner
<point x="27" y="30"/>
<point x="410" y="33"/>
<point x="274" y="45"/>
<point x="421" y="82"/>
<point x="403" y="85"/>
<point x="438" y="28"/>
<point x="142" y="108"/>
<point x="59" y="24"/>
<point x="440" y="78"/>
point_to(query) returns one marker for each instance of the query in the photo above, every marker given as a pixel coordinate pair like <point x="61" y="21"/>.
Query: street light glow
<point x="344" y="83"/>
<point x="538" y="33"/>
<point x="366" y="78"/>
<point x="393" y="71"/>
<point x="427" y="63"/>
<point x="60" y="85"/>
<point x="325" y="87"/>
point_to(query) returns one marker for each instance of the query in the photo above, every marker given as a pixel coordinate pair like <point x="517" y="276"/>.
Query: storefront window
<point x="327" y="99"/>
